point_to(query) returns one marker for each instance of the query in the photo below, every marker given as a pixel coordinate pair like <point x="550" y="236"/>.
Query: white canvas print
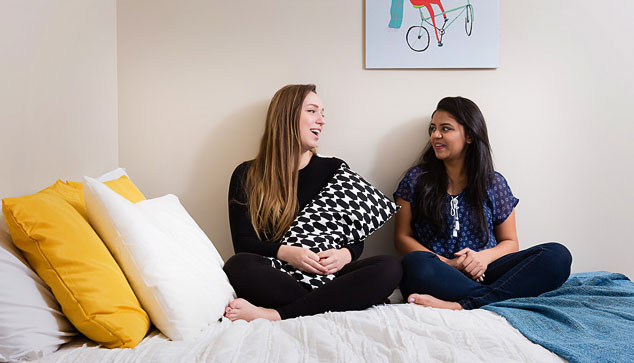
<point x="431" y="34"/>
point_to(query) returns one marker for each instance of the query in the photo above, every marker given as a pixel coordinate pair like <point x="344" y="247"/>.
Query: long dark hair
<point x="431" y="190"/>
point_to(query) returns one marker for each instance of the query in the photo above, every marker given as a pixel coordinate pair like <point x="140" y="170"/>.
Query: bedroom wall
<point x="58" y="92"/>
<point x="195" y="78"/>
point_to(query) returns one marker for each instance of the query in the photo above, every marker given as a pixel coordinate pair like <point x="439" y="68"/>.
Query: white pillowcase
<point x="112" y="175"/>
<point x="31" y="322"/>
<point x="172" y="266"/>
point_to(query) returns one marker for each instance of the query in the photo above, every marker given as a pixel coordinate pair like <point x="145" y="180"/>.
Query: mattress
<point x="386" y="333"/>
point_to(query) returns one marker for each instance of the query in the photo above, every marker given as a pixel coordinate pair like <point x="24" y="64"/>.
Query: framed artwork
<point x="431" y="34"/>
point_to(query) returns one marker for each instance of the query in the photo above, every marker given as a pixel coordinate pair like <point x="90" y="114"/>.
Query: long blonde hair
<point x="271" y="184"/>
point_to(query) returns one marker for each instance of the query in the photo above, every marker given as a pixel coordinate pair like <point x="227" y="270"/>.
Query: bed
<point x="387" y="333"/>
<point x="588" y="319"/>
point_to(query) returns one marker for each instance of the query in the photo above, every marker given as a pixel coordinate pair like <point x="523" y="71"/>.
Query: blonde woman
<point x="265" y="195"/>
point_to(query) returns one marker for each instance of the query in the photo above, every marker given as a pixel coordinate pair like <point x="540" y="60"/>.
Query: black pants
<point x="358" y="285"/>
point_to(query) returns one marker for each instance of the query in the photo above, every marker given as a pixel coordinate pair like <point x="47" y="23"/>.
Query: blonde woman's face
<point x="311" y="121"/>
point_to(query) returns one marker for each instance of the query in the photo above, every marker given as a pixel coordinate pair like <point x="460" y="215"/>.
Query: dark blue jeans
<point x="524" y="273"/>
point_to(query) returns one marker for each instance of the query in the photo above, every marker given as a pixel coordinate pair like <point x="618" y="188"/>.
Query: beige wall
<point x="195" y="78"/>
<point x="58" y="92"/>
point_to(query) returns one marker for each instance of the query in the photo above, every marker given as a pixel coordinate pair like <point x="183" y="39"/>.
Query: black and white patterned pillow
<point x="347" y="210"/>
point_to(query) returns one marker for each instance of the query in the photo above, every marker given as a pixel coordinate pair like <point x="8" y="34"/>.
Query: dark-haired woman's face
<point x="447" y="137"/>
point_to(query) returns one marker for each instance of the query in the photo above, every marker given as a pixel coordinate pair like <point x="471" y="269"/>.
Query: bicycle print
<point x="417" y="36"/>
<point x="431" y="34"/>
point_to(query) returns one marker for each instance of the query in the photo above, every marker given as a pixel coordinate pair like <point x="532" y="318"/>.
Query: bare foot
<point x="428" y="300"/>
<point x="240" y="309"/>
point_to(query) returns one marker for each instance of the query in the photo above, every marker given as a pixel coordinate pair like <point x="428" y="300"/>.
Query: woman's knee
<point x="387" y="270"/>
<point x="557" y="253"/>
<point x="418" y="263"/>
<point x="557" y="259"/>
<point x="392" y="270"/>
<point x="241" y="264"/>
<point x="419" y="269"/>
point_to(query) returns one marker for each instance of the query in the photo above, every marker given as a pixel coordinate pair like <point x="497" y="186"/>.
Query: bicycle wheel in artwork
<point x="431" y="33"/>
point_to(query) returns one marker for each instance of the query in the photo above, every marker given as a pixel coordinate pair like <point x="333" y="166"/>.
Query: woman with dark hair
<point x="456" y="225"/>
<point x="265" y="196"/>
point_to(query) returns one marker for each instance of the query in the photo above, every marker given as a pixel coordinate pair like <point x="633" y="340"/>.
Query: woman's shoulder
<point x="240" y="172"/>
<point x="243" y="166"/>
<point x="407" y="185"/>
<point x="498" y="180"/>
<point x="328" y="162"/>
<point x="500" y="187"/>
<point x="414" y="172"/>
<point x="502" y="198"/>
<point x="238" y="181"/>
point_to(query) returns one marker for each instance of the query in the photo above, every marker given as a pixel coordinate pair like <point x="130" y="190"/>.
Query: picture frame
<point x="431" y="34"/>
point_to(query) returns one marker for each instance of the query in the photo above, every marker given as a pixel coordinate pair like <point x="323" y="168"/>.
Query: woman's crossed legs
<point x="265" y="292"/>
<point x="430" y="282"/>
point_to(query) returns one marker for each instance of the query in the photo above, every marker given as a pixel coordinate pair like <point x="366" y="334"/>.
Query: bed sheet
<point x="386" y="333"/>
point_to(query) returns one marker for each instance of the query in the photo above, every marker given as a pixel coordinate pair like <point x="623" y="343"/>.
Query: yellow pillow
<point x="51" y="229"/>
<point x="73" y="192"/>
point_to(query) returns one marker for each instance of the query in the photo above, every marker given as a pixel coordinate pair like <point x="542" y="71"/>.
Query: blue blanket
<point x="588" y="319"/>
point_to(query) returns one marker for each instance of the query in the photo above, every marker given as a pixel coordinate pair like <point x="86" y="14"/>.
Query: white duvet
<point x="388" y="333"/>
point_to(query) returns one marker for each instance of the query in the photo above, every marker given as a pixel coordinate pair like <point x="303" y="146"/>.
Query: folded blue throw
<point x="590" y="318"/>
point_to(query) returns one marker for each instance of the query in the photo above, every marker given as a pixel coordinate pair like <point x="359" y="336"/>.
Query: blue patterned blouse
<point x="497" y="208"/>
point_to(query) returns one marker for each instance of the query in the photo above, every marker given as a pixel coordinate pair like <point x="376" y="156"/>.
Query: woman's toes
<point x="414" y="299"/>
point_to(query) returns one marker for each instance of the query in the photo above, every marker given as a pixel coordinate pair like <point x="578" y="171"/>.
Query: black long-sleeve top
<point x="312" y="178"/>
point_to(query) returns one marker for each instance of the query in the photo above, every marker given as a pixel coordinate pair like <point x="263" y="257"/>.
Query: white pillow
<point x="172" y="266"/>
<point x="31" y="322"/>
<point x="112" y="175"/>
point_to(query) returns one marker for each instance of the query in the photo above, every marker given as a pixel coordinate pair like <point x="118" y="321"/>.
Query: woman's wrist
<point x="282" y="252"/>
<point x="503" y="248"/>
<point x="348" y="254"/>
<point x="443" y="259"/>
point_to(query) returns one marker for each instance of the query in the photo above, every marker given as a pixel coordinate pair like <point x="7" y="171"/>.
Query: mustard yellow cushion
<point x="51" y="230"/>
<point x="73" y="192"/>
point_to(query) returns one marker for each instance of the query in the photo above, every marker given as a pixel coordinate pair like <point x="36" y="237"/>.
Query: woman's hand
<point x="302" y="259"/>
<point x="455" y="262"/>
<point x="334" y="260"/>
<point x="473" y="264"/>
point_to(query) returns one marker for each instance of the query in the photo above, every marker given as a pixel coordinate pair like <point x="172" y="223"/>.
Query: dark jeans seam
<point x="492" y="290"/>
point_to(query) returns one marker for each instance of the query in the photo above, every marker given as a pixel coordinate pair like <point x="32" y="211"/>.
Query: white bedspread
<point x="389" y="333"/>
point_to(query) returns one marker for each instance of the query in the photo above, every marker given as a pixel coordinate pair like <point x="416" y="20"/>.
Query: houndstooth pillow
<point x="347" y="210"/>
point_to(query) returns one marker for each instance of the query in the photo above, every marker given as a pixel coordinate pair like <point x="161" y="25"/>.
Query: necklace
<point x="454" y="214"/>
